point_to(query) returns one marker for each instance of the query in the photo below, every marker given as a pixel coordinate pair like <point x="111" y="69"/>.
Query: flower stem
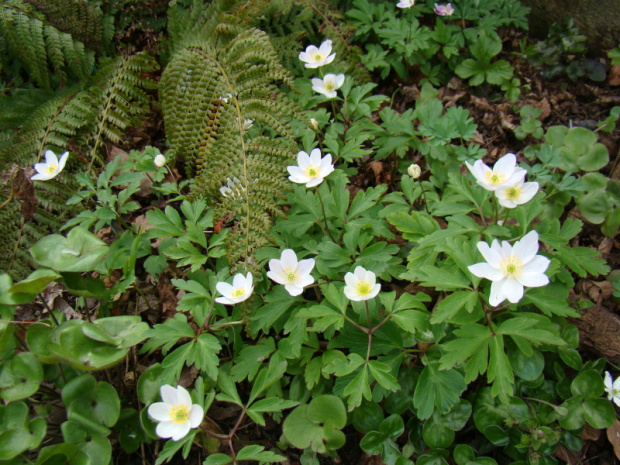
<point x="424" y="195"/>
<point x="326" y="228"/>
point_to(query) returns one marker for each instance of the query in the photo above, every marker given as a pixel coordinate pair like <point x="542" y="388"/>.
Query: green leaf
<point x="36" y="282"/>
<point x="217" y="459"/>
<point x="452" y="304"/>
<point x="167" y="334"/>
<point x="381" y="373"/>
<point x="258" y="453"/>
<point x="357" y="388"/>
<point x="599" y="413"/>
<point x="581" y="260"/>
<point x="80" y="251"/>
<point x="437" y="388"/>
<point x="440" y="279"/>
<point x="21" y="377"/>
<point x="251" y="359"/>
<point x="588" y="384"/>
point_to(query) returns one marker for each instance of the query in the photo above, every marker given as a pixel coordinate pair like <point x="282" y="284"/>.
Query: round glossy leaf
<point x="555" y="135"/>
<point x="39" y="337"/>
<point x="367" y="417"/>
<point x="12" y="298"/>
<point x="82" y="387"/>
<point x="334" y="438"/>
<point x="150" y="383"/>
<point x="79" y="251"/>
<point x="571" y="357"/>
<point x="13" y="443"/>
<point x="148" y="425"/>
<point x="129" y="329"/>
<point x="431" y="460"/>
<point x="372" y="443"/>
<point x="458" y="416"/>
<point x="131" y="434"/>
<point x="588" y="384"/>
<point x="463" y="454"/>
<point x="437" y="436"/>
<point x="595" y="158"/>
<point x="392" y="427"/>
<point x="84" y="285"/>
<point x="580" y="140"/>
<point x="526" y="368"/>
<point x="497" y="435"/>
<point x="329" y="410"/>
<point x="572" y="441"/>
<point x="62" y="454"/>
<point x="489" y="410"/>
<point x="98" y="450"/>
<point x="593" y="181"/>
<point x="599" y="413"/>
<point x="73" y="432"/>
<point x="301" y="432"/>
<point x="21" y="377"/>
<point x="102" y="409"/>
<point x="36" y="282"/>
<point x="96" y="333"/>
<point x="575" y="416"/>
<point x="595" y="206"/>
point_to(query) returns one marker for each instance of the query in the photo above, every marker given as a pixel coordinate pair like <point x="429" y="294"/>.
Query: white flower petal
<point x="527" y="247"/>
<point x="288" y="259"/>
<point x="528" y="191"/>
<point x="166" y="429"/>
<point x="497" y="294"/>
<point x="314" y="182"/>
<point x="506" y="164"/>
<point x="303" y="159"/>
<point x="181" y="431"/>
<point x="533" y="279"/>
<point x="224" y="288"/>
<point x="326" y="47"/>
<point x="293" y="290"/>
<point x="195" y="415"/>
<point x="168" y="394"/>
<point x="50" y="157"/>
<point x="490" y="254"/>
<point x="183" y="396"/>
<point x="305" y="266"/>
<point x="512" y="289"/>
<point x="62" y="161"/>
<point x="484" y="270"/>
<point x="159" y="411"/>
<point x="374" y="291"/>
<point x="315" y="157"/>
<point x="350" y="280"/>
<point x="608" y="382"/>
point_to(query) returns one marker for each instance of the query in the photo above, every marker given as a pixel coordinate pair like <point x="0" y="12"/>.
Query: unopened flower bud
<point x="159" y="160"/>
<point x="314" y="123"/>
<point x="414" y="171"/>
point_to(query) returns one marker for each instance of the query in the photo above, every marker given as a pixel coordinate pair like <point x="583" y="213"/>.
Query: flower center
<point x="363" y="288"/>
<point x="512" y="266"/>
<point x="329" y="85"/>
<point x="318" y="56"/>
<point x="238" y="291"/>
<point x="312" y="171"/>
<point x="513" y="192"/>
<point x="494" y="178"/>
<point x="290" y="275"/>
<point x="179" y="413"/>
<point x="49" y="169"/>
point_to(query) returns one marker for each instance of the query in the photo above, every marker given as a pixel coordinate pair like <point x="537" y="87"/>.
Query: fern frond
<point x="119" y="98"/>
<point x="208" y="93"/>
<point x="75" y="17"/>
<point x="44" y="51"/>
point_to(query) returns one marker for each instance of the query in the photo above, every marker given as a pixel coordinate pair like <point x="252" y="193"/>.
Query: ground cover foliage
<point x="296" y="231"/>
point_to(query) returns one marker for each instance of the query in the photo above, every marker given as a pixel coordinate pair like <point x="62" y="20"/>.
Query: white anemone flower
<point x="312" y="168"/>
<point x="612" y="388"/>
<point x="159" y="160"/>
<point x="510" y="268"/>
<point x="328" y="85"/>
<point x="405" y="3"/>
<point x="176" y="414"/>
<point x="505" y="172"/>
<point x="511" y="196"/>
<point x="293" y="274"/>
<point x="51" y="167"/>
<point x="239" y="291"/>
<point x="315" y="57"/>
<point x="361" y="285"/>
<point x="443" y="10"/>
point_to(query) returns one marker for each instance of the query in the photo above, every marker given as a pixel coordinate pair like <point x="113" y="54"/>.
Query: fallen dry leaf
<point x="613" y="435"/>
<point x="614" y="76"/>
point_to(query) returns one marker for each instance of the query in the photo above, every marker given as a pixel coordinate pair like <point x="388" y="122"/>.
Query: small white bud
<point x="159" y="160"/>
<point x="314" y="123"/>
<point x="414" y="171"/>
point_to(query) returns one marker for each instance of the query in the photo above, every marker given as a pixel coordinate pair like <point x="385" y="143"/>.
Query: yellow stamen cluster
<point x="179" y="413"/>
<point x="237" y="292"/>
<point x="513" y="192"/>
<point x="312" y="171"/>
<point x="49" y="169"/>
<point x="494" y="178"/>
<point x="512" y="266"/>
<point x="290" y="275"/>
<point x="318" y="56"/>
<point x="363" y="288"/>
